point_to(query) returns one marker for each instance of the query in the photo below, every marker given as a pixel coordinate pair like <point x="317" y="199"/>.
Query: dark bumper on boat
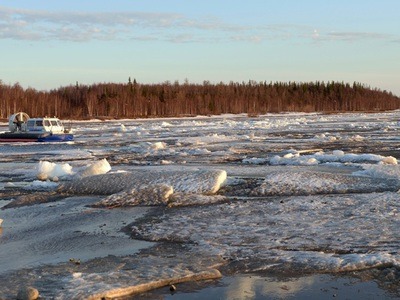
<point x="35" y="137"/>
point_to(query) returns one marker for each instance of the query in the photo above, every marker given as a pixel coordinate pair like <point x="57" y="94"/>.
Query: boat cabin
<point x="21" y="122"/>
<point x="45" y="125"/>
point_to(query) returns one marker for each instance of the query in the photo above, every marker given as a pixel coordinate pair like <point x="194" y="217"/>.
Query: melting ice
<point x="299" y="193"/>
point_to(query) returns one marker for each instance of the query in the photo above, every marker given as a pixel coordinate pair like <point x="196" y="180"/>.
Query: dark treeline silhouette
<point x="134" y="100"/>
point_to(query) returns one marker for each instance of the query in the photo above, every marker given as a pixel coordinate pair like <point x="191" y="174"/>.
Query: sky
<point x="49" y="44"/>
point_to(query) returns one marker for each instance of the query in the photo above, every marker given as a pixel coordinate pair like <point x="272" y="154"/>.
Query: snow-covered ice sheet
<point x="330" y="233"/>
<point x="147" y="187"/>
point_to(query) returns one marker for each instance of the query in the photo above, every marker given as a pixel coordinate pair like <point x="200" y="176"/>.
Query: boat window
<point x="39" y="123"/>
<point x="31" y="123"/>
<point x="46" y="123"/>
<point x="53" y="122"/>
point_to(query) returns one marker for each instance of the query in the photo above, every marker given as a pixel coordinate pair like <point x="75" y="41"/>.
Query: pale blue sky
<point x="48" y="44"/>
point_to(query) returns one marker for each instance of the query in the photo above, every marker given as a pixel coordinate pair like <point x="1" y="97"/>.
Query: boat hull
<point x="35" y="137"/>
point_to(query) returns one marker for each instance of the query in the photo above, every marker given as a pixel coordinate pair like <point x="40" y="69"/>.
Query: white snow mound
<point x="99" y="167"/>
<point x="48" y="170"/>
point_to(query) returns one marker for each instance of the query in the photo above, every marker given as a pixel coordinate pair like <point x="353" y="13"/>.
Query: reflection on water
<point x="256" y="287"/>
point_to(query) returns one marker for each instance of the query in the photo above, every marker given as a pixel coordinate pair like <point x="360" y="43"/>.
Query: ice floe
<point x="337" y="156"/>
<point x="332" y="233"/>
<point x="145" y="195"/>
<point x="146" y="188"/>
<point x="201" y="181"/>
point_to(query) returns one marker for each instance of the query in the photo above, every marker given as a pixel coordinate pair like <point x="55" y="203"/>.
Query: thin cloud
<point x="105" y="19"/>
<point x="350" y="36"/>
<point x="182" y="38"/>
<point x="84" y="26"/>
<point x="19" y="24"/>
<point x="354" y="36"/>
<point x="44" y="25"/>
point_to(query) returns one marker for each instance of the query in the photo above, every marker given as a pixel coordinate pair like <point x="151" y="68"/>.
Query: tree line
<point x="136" y="100"/>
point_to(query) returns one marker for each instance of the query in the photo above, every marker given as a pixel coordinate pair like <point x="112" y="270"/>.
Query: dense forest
<point x="134" y="100"/>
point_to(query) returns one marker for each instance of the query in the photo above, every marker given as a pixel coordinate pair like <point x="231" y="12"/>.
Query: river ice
<point x="284" y="193"/>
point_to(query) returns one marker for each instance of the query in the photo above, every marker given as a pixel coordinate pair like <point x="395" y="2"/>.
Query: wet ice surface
<point x="278" y="194"/>
<point x="57" y="231"/>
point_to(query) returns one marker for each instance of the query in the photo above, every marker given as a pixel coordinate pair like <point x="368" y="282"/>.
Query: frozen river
<point x="179" y="199"/>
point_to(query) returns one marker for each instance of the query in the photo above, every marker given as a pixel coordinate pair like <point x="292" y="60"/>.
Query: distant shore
<point x="137" y="100"/>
